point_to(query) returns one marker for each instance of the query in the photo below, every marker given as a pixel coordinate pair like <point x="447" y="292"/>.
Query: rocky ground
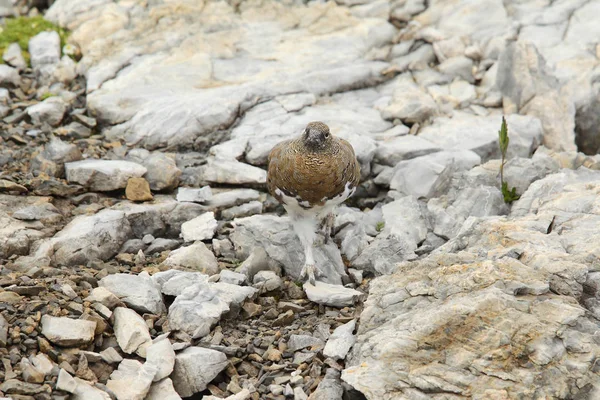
<point x="142" y="258"/>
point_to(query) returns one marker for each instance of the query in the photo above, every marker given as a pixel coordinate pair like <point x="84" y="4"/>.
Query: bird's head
<point x="316" y="136"/>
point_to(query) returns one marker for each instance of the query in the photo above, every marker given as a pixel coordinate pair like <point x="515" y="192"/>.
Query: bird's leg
<point x="305" y="228"/>
<point x="328" y="227"/>
<point x="309" y="269"/>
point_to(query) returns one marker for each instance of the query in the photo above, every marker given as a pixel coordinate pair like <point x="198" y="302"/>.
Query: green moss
<point x="380" y="225"/>
<point x="46" y="95"/>
<point x="22" y="29"/>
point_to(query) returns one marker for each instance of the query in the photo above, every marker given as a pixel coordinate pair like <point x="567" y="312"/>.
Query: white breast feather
<point x="294" y="207"/>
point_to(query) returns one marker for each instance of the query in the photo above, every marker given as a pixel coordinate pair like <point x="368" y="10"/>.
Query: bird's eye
<point x="326" y="134"/>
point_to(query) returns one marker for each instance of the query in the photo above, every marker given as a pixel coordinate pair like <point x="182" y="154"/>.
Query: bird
<point x="310" y="176"/>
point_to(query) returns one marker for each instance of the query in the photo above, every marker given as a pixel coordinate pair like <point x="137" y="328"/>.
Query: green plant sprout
<point x="380" y="225"/>
<point x="46" y="96"/>
<point x="509" y="195"/>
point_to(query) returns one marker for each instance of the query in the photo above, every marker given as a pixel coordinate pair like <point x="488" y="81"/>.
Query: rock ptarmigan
<point x="310" y="176"/>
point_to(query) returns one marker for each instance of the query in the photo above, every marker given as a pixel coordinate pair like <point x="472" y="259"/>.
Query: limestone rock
<point x="9" y="76"/>
<point x="521" y="273"/>
<point x="161" y="355"/>
<point x="137" y="291"/>
<point x="201" y="195"/>
<point x="162" y="173"/>
<point x="201" y="304"/>
<point x="162" y="390"/>
<point x="131" y="380"/>
<point x="341" y="340"/>
<point x="331" y="295"/>
<point x="195" y="368"/>
<point x="52" y="158"/>
<point x="401" y="148"/>
<point x="14" y="57"/>
<point x="222" y="171"/>
<point x="67" y="332"/>
<point x="103" y="175"/>
<point x="44" y="49"/>
<point x="202" y="227"/>
<point x="131" y="332"/>
<point x="50" y="111"/>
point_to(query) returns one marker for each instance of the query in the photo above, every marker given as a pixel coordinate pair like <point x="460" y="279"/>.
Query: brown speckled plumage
<point x="312" y="174"/>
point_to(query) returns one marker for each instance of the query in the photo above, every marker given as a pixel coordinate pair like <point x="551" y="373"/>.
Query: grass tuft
<point x="22" y="29"/>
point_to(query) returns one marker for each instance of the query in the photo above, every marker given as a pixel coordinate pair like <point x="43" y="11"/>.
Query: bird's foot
<point x="310" y="271"/>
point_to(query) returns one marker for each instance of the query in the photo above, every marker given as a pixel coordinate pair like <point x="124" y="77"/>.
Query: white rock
<point x="65" y="71"/>
<point x="42" y="363"/>
<point x="330" y="387"/>
<point x="202" y="227"/>
<point x="67" y="332"/>
<point x="267" y="281"/>
<point x="448" y="48"/>
<point x="235" y="278"/>
<point x="85" y="391"/>
<point x="103" y="175"/>
<point x="79" y="389"/>
<point x="9" y="76"/>
<point x="131" y="380"/>
<point x="195" y="368"/>
<point x="201" y="195"/>
<point x="162" y="172"/>
<point x="480" y="134"/>
<point x="459" y="66"/>
<point x="401" y="148"/>
<point x="87" y="237"/>
<point x="232" y="172"/>
<point x="340" y="341"/>
<point x="409" y="103"/>
<point x="65" y="382"/>
<point x="296" y="101"/>
<point x="44" y="48"/>
<point x="131" y="331"/>
<point x="233" y="197"/>
<point x="137" y="291"/>
<point x="200" y="306"/>
<point x="111" y="356"/>
<point x="163" y="390"/>
<point x="174" y="282"/>
<point x="299" y="342"/>
<point x="160" y="354"/>
<point x="258" y="260"/>
<point x="429" y="176"/>
<point x="244" y="210"/>
<point x="403" y="219"/>
<point x="331" y="295"/>
<point x="196" y="257"/>
<point x="6" y="9"/>
<point x="524" y="77"/>
<point x="50" y="111"/>
<point x="103" y="296"/>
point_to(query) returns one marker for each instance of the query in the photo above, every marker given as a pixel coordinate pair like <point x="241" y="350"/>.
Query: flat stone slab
<point x="68" y="332"/>
<point x="331" y="295"/>
<point x="103" y="175"/>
